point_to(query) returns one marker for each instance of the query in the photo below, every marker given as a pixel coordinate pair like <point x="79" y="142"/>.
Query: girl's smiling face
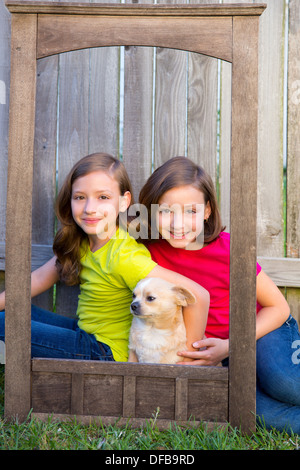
<point x="96" y="202"/>
<point x="181" y="215"/>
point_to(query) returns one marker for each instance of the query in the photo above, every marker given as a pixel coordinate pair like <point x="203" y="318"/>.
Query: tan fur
<point x="158" y="332"/>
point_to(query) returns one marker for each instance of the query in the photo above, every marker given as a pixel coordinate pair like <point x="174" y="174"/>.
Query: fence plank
<point x="202" y="112"/>
<point x="103" y="131"/>
<point x="270" y="227"/>
<point x="170" y="102"/>
<point x="243" y="222"/>
<point x="225" y="139"/>
<point x="44" y="165"/>
<point x="19" y="194"/>
<point x="225" y="143"/>
<point x="4" y="105"/>
<point x="293" y="168"/>
<point x="138" y="109"/>
<point x="202" y="109"/>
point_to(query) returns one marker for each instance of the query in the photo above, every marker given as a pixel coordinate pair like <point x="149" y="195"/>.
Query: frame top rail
<point x="107" y="9"/>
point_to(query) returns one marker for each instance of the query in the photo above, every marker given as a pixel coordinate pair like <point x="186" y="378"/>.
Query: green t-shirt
<point x="108" y="277"/>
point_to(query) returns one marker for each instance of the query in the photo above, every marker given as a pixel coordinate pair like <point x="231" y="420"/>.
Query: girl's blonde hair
<point x="70" y="236"/>
<point x="180" y="171"/>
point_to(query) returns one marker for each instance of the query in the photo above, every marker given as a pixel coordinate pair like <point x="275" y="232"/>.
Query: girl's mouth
<point x="178" y="236"/>
<point x="91" y="221"/>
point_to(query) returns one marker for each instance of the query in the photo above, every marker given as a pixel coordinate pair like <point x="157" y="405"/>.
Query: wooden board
<point x="92" y="388"/>
<point x="18" y="221"/>
<point x="95" y="31"/>
<point x="270" y="226"/>
<point x="293" y="154"/>
<point x="243" y="223"/>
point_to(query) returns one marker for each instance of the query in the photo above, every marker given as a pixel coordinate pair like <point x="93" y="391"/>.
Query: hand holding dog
<point x="211" y="351"/>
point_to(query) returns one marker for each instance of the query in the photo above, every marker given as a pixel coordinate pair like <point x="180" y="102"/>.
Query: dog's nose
<point x="135" y="307"/>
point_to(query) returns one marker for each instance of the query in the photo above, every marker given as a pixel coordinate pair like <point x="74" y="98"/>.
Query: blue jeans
<point x="56" y="336"/>
<point x="278" y="378"/>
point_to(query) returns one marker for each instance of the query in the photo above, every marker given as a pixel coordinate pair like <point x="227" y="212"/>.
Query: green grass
<point x="71" y="435"/>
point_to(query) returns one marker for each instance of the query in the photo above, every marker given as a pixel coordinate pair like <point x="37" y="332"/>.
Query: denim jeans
<point x="278" y="378"/>
<point x="56" y="336"/>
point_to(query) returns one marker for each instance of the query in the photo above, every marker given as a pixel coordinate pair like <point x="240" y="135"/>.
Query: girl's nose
<point x="90" y="206"/>
<point x="177" y="219"/>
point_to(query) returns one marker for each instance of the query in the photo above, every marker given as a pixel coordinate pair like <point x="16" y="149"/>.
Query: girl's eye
<point x="165" y="211"/>
<point x="150" y="298"/>
<point x="191" y="211"/>
<point x="103" y="197"/>
<point x="78" y="198"/>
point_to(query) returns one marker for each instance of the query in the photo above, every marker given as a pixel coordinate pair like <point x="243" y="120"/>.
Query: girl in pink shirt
<point x="189" y="239"/>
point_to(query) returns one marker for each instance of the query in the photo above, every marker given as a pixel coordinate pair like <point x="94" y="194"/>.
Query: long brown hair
<point x="180" y="171"/>
<point x="70" y="236"/>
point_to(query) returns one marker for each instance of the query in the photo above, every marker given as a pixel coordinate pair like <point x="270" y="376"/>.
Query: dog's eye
<point x="150" y="298"/>
<point x="133" y="295"/>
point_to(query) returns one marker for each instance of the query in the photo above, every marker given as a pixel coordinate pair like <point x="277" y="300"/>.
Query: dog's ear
<point x="184" y="296"/>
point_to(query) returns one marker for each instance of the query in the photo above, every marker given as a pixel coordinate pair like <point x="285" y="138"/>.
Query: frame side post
<point x="243" y="194"/>
<point x="18" y="219"/>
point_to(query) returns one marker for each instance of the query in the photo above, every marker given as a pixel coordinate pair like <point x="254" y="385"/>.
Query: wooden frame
<point x="228" y="32"/>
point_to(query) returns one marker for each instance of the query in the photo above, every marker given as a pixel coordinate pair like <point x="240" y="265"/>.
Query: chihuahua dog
<point x="158" y="331"/>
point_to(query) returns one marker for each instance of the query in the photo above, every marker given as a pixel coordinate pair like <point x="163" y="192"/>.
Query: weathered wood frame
<point x="228" y="32"/>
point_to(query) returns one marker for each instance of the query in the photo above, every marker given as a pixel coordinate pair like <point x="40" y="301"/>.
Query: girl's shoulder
<point x="221" y="242"/>
<point x="219" y="245"/>
<point x="224" y="238"/>
<point x="125" y="246"/>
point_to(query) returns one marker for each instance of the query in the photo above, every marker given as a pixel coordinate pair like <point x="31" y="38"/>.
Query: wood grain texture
<point x="134" y="10"/>
<point x="138" y="114"/>
<point x="95" y="31"/>
<point x="44" y="163"/>
<point x="270" y="227"/>
<point x="170" y="102"/>
<point x="135" y="391"/>
<point x="202" y="112"/>
<point x="104" y="99"/>
<point x="202" y="85"/>
<point x="293" y="150"/>
<point x="243" y="181"/>
<point x="293" y="167"/>
<point x="4" y="109"/>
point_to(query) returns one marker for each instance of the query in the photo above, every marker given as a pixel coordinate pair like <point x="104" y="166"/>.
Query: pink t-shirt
<point x="209" y="267"/>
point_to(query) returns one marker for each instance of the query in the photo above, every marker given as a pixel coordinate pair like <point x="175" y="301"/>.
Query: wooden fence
<point x="147" y="105"/>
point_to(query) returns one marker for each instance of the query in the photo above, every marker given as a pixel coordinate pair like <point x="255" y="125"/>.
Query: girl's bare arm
<point x="41" y="279"/>
<point x="275" y="309"/>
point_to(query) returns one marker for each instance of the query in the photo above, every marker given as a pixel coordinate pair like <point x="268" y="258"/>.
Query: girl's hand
<point x="211" y="352"/>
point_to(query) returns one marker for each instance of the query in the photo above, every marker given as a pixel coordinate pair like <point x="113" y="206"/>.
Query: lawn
<point x="71" y="435"/>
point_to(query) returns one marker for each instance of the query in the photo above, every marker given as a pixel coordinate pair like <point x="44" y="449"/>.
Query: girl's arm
<point x="195" y="316"/>
<point x="275" y="309"/>
<point x="274" y="312"/>
<point x="41" y="279"/>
